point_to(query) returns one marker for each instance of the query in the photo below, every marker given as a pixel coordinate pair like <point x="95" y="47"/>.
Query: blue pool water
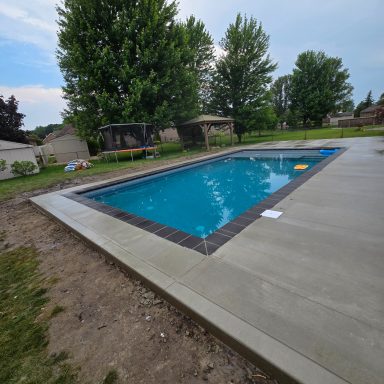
<point x="201" y="199"/>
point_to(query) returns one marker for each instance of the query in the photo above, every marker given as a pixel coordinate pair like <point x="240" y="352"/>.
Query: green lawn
<point x="23" y="333"/>
<point x="54" y="174"/>
<point x="24" y="324"/>
<point x="312" y="134"/>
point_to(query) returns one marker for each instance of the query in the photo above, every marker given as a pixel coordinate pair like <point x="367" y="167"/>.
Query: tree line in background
<point x="317" y="86"/>
<point x="300" y="98"/>
<point x="135" y="61"/>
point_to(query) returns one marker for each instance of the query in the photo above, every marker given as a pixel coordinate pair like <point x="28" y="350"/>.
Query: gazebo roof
<point x="208" y="119"/>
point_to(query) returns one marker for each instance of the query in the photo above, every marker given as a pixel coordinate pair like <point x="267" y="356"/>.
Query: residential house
<point x="370" y="111"/>
<point x="334" y="119"/>
<point x="66" y="145"/>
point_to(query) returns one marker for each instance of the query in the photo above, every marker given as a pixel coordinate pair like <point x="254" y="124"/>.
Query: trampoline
<point x="127" y="137"/>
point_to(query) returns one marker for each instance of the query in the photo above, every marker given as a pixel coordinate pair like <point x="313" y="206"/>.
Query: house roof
<point x="49" y="138"/>
<point x="372" y="108"/>
<point x="211" y="119"/>
<point x="67" y="130"/>
<point x="342" y="114"/>
<point x="5" y="145"/>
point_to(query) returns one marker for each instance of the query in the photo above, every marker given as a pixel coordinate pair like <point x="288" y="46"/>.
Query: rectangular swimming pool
<point x="207" y="200"/>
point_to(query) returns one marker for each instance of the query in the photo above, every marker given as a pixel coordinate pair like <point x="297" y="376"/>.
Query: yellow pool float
<point x="301" y="167"/>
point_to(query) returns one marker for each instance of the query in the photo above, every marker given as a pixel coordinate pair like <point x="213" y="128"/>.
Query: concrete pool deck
<point x="302" y="295"/>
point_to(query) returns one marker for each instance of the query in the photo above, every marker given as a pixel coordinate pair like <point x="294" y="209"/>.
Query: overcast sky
<point x="350" y="29"/>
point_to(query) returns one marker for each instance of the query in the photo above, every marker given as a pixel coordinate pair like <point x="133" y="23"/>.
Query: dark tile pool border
<point x="218" y="238"/>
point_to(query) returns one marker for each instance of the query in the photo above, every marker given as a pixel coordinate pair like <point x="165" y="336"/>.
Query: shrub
<point x="23" y="168"/>
<point x="3" y="165"/>
<point x="52" y="159"/>
<point x="93" y="146"/>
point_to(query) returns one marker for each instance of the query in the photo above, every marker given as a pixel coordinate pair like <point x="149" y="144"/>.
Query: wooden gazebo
<point x="205" y="122"/>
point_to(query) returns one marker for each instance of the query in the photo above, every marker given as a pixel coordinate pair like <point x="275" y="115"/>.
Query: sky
<point x="349" y="29"/>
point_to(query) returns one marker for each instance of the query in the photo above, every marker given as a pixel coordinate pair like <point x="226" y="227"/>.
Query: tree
<point x="381" y="100"/>
<point x="265" y="119"/>
<point x="281" y="98"/>
<point x="359" y="108"/>
<point x="347" y="105"/>
<point x="125" y="61"/>
<point x="242" y="74"/>
<point x="367" y="102"/>
<point x="319" y="85"/>
<point x="369" y="99"/>
<point x="201" y="58"/>
<point x="33" y="138"/>
<point x="293" y="118"/>
<point x="11" y="121"/>
<point x="42" y="131"/>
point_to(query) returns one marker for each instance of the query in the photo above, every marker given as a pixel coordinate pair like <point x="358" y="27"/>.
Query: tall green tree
<point x="243" y="74"/>
<point x="11" y="121"/>
<point x="201" y="56"/>
<point x="359" y="108"/>
<point x="380" y="101"/>
<point x="124" y="61"/>
<point x="281" y="98"/>
<point x="367" y="102"/>
<point x="319" y="85"/>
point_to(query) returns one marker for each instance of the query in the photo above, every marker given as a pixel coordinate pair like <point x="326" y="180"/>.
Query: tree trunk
<point x="239" y="137"/>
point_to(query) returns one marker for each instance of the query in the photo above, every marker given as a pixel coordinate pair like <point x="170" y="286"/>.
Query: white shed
<point x="67" y="146"/>
<point x="11" y="152"/>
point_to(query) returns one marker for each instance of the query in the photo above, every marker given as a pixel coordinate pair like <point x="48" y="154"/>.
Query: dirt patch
<point x="111" y="321"/>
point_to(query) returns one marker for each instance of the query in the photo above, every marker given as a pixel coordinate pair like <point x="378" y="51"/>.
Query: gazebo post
<point x="231" y="132"/>
<point x="206" y="127"/>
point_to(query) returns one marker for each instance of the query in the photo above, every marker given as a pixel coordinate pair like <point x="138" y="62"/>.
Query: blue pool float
<point x="327" y="152"/>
